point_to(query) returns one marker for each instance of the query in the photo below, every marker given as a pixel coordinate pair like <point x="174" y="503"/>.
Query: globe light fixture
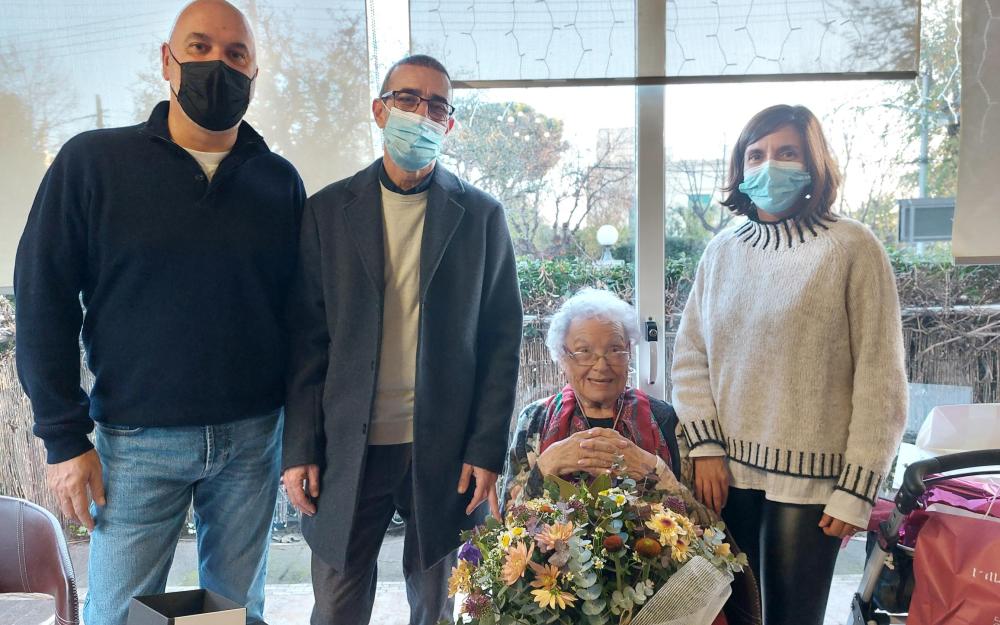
<point x="607" y="235"/>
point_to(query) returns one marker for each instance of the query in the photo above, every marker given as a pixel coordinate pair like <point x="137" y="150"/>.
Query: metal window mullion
<point x="650" y="221"/>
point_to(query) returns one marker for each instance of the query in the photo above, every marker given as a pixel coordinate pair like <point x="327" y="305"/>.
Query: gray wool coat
<point x="467" y="353"/>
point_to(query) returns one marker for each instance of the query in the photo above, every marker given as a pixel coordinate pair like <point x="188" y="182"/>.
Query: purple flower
<point x="471" y="554"/>
<point x="476" y="605"/>
<point x="676" y="504"/>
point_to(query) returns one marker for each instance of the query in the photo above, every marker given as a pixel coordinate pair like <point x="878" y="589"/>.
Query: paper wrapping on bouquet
<point x="957" y="569"/>
<point x="694" y="595"/>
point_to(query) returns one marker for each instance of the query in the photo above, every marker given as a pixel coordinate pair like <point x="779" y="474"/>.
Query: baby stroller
<point x="916" y="480"/>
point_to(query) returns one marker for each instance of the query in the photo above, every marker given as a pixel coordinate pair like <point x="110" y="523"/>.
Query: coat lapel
<point x="440" y="223"/>
<point x="363" y="216"/>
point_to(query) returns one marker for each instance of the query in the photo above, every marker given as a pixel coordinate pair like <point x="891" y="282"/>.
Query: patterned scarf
<point x="562" y="419"/>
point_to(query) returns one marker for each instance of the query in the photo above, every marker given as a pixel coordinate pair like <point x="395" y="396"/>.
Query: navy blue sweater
<point x="183" y="282"/>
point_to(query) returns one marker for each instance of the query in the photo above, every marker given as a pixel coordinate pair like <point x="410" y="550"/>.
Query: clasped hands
<point x="596" y="451"/>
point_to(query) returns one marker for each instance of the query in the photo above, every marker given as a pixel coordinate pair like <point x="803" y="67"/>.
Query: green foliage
<point x="927" y="278"/>
<point x="545" y="283"/>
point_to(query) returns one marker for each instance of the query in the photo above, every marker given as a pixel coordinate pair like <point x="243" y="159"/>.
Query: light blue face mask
<point x="775" y="186"/>
<point x="413" y="141"/>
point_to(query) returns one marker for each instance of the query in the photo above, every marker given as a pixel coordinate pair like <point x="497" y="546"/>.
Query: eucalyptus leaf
<point x="586" y="580"/>
<point x="594" y="608"/>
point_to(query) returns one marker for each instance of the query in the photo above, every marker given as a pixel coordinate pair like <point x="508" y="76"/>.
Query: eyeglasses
<point x="438" y="110"/>
<point x="586" y="358"/>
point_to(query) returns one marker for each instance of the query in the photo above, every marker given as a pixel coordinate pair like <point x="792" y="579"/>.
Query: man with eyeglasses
<point x="406" y="320"/>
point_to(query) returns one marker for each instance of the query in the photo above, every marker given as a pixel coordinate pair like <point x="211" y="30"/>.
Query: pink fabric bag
<point x="957" y="570"/>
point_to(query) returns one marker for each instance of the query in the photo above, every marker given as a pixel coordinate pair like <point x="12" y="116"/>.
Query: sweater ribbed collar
<point x="786" y="233"/>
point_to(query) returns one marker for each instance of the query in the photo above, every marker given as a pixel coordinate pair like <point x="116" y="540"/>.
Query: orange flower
<point x="546" y="575"/>
<point x="552" y="598"/>
<point x="552" y="535"/>
<point x="461" y="579"/>
<point x="515" y="563"/>
<point x="548" y="593"/>
<point x="613" y="543"/>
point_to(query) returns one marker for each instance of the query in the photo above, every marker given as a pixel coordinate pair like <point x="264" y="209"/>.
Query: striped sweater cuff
<point x="703" y="431"/>
<point x="860" y="482"/>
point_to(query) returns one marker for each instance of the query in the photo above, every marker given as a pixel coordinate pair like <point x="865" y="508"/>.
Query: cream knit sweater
<point x="789" y="353"/>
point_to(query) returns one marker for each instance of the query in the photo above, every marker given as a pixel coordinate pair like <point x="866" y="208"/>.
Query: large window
<point x="562" y="161"/>
<point x="863" y="123"/>
<point x="72" y="66"/>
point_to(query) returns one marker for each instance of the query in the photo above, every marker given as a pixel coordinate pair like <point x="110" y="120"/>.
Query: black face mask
<point x="214" y="95"/>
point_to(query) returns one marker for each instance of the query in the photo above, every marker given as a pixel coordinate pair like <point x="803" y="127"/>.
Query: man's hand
<point x="711" y="481"/>
<point x="302" y="487"/>
<point x="70" y="481"/>
<point x="836" y="528"/>
<point x="486" y="488"/>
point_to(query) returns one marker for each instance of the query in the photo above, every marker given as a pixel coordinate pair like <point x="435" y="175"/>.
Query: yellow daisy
<point x="460" y="580"/>
<point x="552" y="598"/>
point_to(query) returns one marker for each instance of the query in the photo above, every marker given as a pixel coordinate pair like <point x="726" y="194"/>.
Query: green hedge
<point x="923" y="280"/>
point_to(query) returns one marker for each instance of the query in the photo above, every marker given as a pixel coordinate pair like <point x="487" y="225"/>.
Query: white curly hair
<point x="590" y="303"/>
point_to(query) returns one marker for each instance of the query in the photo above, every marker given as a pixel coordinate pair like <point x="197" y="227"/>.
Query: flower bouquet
<point x="594" y="554"/>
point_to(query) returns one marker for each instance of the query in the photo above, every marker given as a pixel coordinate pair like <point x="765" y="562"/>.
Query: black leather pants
<point x="790" y="555"/>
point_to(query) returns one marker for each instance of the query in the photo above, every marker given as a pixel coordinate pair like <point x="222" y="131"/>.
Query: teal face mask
<point x="413" y="141"/>
<point x="775" y="186"/>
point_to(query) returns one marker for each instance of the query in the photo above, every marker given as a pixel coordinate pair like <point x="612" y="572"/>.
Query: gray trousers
<point x="346" y="597"/>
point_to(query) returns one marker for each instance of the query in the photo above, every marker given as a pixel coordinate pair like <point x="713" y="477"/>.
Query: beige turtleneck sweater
<point x="403" y="227"/>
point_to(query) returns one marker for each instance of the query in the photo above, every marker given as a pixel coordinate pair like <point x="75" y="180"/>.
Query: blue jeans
<point x="151" y="477"/>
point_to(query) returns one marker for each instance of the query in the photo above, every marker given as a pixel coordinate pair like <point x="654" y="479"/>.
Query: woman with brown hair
<point x="788" y="374"/>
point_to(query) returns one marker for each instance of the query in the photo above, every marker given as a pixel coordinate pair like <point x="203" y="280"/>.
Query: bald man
<point x="178" y="236"/>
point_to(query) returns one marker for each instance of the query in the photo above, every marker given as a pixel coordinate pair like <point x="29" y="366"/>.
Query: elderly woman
<point x="596" y="423"/>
